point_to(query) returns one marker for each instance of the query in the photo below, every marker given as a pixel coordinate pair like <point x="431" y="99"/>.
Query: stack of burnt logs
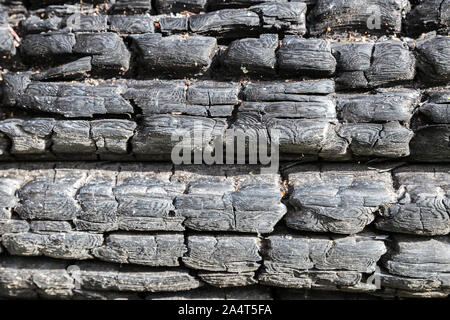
<point x="93" y="205"/>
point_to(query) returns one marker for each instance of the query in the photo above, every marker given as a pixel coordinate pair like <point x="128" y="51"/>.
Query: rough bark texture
<point x="96" y="96"/>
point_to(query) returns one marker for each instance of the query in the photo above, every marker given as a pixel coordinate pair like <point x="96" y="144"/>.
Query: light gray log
<point x="243" y="293"/>
<point x="132" y="6"/>
<point x="431" y="143"/>
<point x="228" y="280"/>
<point x="282" y="17"/>
<point x="226" y="23"/>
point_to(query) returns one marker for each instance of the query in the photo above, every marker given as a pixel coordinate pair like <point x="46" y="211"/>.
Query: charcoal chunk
<point x="50" y="226"/>
<point x="108" y="277"/>
<point x="374" y="16"/>
<point x="112" y="136"/>
<point x="72" y="137"/>
<point x="353" y="60"/>
<point x="399" y="286"/>
<point x="213" y="93"/>
<point x="353" y="253"/>
<point x="244" y="293"/>
<point x="159" y="250"/>
<point x="217" y="204"/>
<point x="423" y="208"/>
<point x="426" y="257"/>
<point x="35" y="24"/>
<point x="429" y="15"/>
<point x="107" y="49"/>
<point x="389" y="140"/>
<point x="72" y="245"/>
<point x="45" y="199"/>
<point x="437" y="108"/>
<point x="381" y="107"/>
<point x="13" y="226"/>
<point x="221" y="4"/>
<point x="175" y="54"/>
<point x="306" y="56"/>
<point x="322" y="263"/>
<point x="286" y="91"/>
<point x="162" y="128"/>
<point x="169" y="25"/>
<point x="252" y="55"/>
<point x="132" y="6"/>
<point x="75" y="69"/>
<point x="174" y="6"/>
<point x="283" y="17"/>
<point x="433" y="59"/>
<point x="74" y="99"/>
<point x="336" y="198"/>
<point x="87" y="23"/>
<point x="34" y="278"/>
<point x="131" y="24"/>
<point x="7" y="47"/>
<point x="28" y="137"/>
<point x="431" y="143"/>
<point x="47" y="45"/>
<point x="234" y="254"/>
<point x="226" y="23"/>
<point x="392" y="63"/>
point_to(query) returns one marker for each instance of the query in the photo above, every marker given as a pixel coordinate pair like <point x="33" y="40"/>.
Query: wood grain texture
<point x="92" y="94"/>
